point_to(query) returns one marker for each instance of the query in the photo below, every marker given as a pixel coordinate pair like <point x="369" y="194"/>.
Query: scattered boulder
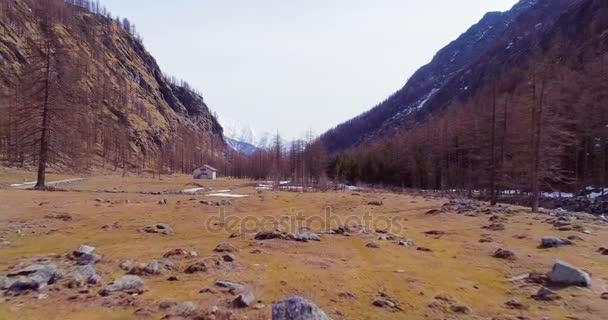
<point x="565" y="274"/>
<point x="554" y="242"/>
<point x="87" y="259"/>
<point x="460" y="308"/>
<point x="144" y="312"/>
<point x="268" y="235"/>
<point x="385" y="302"/>
<point x="545" y="294"/>
<point x="128" y="284"/>
<point x="33" y="277"/>
<point x="199" y="266"/>
<point x="372" y="245"/>
<point x="495" y="227"/>
<point x="154" y="267"/>
<point x="244" y="300"/>
<point x="228" y="257"/>
<point x="83" y="250"/>
<point x="504" y="254"/>
<point x="163" y="201"/>
<point x="603" y="251"/>
<point x="82" y="276"/>
<point x="435" y="233"/>
<point x="230" y="286"/>
<point x="180" y="253"/>
<point x="514" y="304"/>
<point x="376" y="203"/>
<point x="225" y="247"/>
<point x="126" y="265"/>
<point x="305" y="236"/>
<point x="406" y="243"/>
<point x="182" y="310"/>
<point x="424" y="249"/>
<point x="5" y="282"/>
<point x="297" y="308"/>
<point x="160" y="228"/>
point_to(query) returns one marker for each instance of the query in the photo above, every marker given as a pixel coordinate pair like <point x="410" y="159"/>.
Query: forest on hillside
<point x="80" y="92"/>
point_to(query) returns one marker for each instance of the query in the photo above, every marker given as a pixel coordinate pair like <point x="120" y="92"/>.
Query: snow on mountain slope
<point x="242" y="137"/>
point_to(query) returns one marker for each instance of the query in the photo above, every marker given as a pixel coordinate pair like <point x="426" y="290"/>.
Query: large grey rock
<point x="128" y="284"/>
<point x="554" y="242"/>
<point x="297" y="308"/>
<point x="34" y="277"/>
<point x="565" y="274"/>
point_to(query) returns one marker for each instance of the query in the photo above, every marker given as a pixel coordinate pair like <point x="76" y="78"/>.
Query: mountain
<point x="528" y="111"/>
<point x="127" y="107"/>
<point x="243" y="138"/>
<point x="402" y="109"/>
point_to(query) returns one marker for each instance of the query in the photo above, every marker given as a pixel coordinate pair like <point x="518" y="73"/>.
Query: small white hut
<point x="205" y="172"/>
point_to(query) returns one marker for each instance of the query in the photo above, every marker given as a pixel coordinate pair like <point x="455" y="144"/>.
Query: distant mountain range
<point x="243" y="138"/>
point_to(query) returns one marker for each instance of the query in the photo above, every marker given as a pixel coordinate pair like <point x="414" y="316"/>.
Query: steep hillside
<point x="403" y="108"/>
<point x="131" y="107"/>
<point x="528" y="114"/>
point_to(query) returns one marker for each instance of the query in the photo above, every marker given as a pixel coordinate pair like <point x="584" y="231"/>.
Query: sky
<point x="294" y="66"/>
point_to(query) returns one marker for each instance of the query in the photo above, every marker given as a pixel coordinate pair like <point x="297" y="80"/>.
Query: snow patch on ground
<point x="52" y="183"/>
<point x="227" y="195"/>
<point x="193" y="190"/>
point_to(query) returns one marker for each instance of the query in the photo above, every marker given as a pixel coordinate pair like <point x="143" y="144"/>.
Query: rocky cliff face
<point x="122" y="85"/>
<point x="430" y="88"/>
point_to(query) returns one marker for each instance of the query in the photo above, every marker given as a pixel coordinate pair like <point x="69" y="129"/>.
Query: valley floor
<point x="456" y="278"/>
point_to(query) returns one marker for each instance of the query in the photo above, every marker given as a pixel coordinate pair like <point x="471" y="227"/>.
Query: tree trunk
<point x="44" y="142"/>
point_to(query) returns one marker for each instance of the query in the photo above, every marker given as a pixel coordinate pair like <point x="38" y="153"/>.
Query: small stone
<point x="166" y="304"/>
<point x="459" y="308"/>
<point x="406" y="243"/>
<point x="225" y="247"/>
<point x="384" y="303"/>
<point x="375" y="203"/>
<point x="199" y="266"/>
<point x="160" y="228"/>
<point x="604" y="296"/>
<point x="504" y="254"/>
<point x="514" y="304"/>
<point x="144" y="312"/>
<point x="228" y="258"/>
<point x="545" y="294"/>
<point x="173" y="278"/>
<point x="423" y="249"/>
<point x="163" y="201"/>
<point x="372" y="245"/>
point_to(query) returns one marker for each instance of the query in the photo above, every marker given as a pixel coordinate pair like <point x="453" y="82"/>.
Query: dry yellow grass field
<point x="339" y="273"/>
